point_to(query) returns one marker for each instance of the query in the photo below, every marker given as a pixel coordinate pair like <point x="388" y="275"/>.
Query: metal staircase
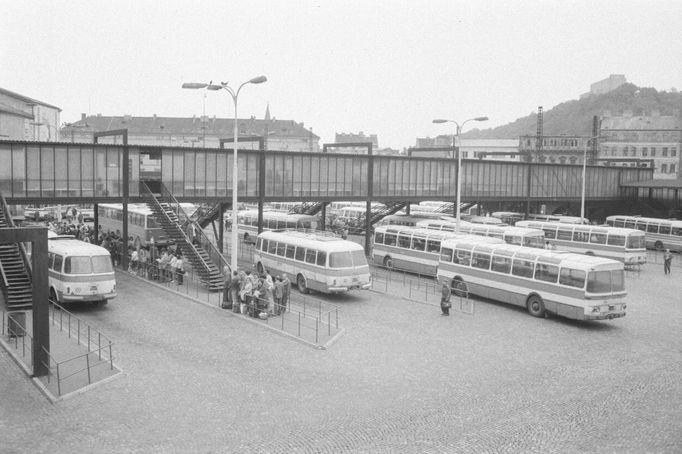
<point x="15" y="269"/>
<point x="187" y="235"/>
<point x="388" y="209"/>
<point x="309" y="208"/>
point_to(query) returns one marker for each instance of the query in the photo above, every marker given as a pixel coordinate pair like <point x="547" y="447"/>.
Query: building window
<point x="633" y="164"/>
<point x="625" y="150"/>
<point x="645" y="151"/>
<point x="665" y="151"/>
<point x="664" y="168"/>
<point x="633" y="151"/>
<point x="653" y="151"/>
<point x="672" y="168"/>
<point x="673" y="151"/>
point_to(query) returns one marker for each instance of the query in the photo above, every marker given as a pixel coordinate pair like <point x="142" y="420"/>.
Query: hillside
<point x="575" y="117"/>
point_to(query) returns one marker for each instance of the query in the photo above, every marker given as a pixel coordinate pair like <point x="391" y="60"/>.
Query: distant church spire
<point x="267" y="113"/>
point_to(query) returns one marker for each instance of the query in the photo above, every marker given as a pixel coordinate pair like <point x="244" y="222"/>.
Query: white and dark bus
<point x="659" y="233"/>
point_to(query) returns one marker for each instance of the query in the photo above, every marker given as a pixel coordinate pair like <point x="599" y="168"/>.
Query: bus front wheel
<point x="658" y="245"/>
<point x="536" y="307"/>
<point x="302" y="286"/>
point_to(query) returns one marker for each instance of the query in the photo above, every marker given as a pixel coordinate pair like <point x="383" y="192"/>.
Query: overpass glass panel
<point x="74" y="169"/>
<point x="221" y="174"/>
<point x="188" y="181"/>
<point x="33" y="171"/>
<point x="88" y="171"/>
<point x="113" y="171"/>
<point x="134" y="169"/>
<point x="47" y="171"/>
<point x="61" y="173"/>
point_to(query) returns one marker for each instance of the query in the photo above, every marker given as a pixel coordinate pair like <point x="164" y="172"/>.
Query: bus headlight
<point x="68" y="290"/>
<point x="596" y="309"/>
<point x="78" y="289"/>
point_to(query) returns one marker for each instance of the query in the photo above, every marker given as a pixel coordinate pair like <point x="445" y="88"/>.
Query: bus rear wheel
<point x="536" y="307"/>
<point x="658" y="245"/>
<point x="302" y="286"/>
<point x="388" y="262"/>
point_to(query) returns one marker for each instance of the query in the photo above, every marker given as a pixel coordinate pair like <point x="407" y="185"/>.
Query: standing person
<point x="180" y="269"/>
<point x="142" y="261"/>
<point x="227" y="288"/>
<point x="667" y="260"/>
<point x="235" y="285"/>
<point x="172" y="267"/>
<point x="286" y="294"/>
<point x="278" y="294"/>
<point x="445" y="299"/>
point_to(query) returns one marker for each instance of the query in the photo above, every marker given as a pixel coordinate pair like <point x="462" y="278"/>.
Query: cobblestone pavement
<point x="401" y="379"/>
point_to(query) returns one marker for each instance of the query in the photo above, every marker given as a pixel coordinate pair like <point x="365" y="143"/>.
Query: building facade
<point x="631" y="140"/>
<point x="24" y="118"/>
<point x="606" y="85"/>
<point x="203" y="131"/>
<point x="488" y="149"/>
<point x="562" y="149"/>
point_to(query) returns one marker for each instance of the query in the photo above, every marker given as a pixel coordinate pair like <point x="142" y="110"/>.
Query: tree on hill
<point x="575" y="117"/>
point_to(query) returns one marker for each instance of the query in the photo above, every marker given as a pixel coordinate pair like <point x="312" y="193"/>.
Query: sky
<point x="381" y="67"/>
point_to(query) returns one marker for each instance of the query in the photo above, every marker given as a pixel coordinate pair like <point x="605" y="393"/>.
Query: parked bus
<point x="248" y="222"/>
<point x="410" y="220"/>
<point x="79" y="271"/>
<point x="314" y="260"/>
<point x="508" y="217"/>
<point x="489" y="220"/>
<point x="557" y="218"/>
<point x="659" y="233"/>
<point x="626" y="245"/>
<point x="513" y="235"/>
<point x="410" y="249"/>
<point x="141" y="221"/>
<point x="570" y="285"/>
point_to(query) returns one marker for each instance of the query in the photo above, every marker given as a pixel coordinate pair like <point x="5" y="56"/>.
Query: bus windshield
<point x="534" y="241"/>
<point x="636" y="242"/>
<point x="102" y="264"/>
<point x="605" y="281"/>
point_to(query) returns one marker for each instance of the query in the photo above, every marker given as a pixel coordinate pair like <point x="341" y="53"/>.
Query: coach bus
<point x="273" y="220"/>
<point x="79" y="271"/>
<point x="626" y="245"/>
<point x="141" y="221"/>
<point x="315" y="260"/>
<point x="557" y="218"/>
<point x="659" y="233"/>
<point x="513" y="235"/>
<point x="508" y="217"/>
<point x="570" y="285"/>
<point x="411" y="249"/>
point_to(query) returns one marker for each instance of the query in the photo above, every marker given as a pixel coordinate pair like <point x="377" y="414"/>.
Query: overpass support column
<point x="370" y="194"/>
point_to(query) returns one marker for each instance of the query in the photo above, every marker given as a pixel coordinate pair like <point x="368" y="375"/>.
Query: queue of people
<point x="256" y="296"/>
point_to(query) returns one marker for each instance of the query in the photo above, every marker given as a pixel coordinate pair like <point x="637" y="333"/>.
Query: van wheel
<point x="536" y="307"/>
<point x="53" y="296"/>
<point x="459" y="287"/>
<point x="388" y="262"/>
<point x="302" y="287"/>
<point x="658" y="245"/>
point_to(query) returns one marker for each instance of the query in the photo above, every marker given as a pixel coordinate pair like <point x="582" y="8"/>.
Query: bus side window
<point x="50" y="260"/>
<point x="677" y="231"/>
<point x="404" y="241"/>
<point x="463" y="258"/>
<point x="389" y="239"/>
<point x="618" y="223"/>
<point x="652" y="228"/>
<point x="58" y="260"/>
<point x="523" y="268"/>
<point x="379" y="238"/>
<point x="550" y="232"/>
<point x="664" y="229"/>
<point x="291" y="251"/>
<point x="572" y="278"/>
<point x="418" y="244"/>
<point x="272" y="247"/>
<point x="616" y="240"/>
<point x="310" y="256"/>
<point x="281" y="249"/>
<point x="433" y="246"/>
<point x="446" y="255"/>
<point x="501" y="264"/>
<point x="546" y="273"/>
<point x="321" y="258"/>
<point x="259" y="242"/>
<point x="265" y="246"/>
<point x="581" y="237"/>
<point x="564" y="234"/>
<point x="300" y="254"/>
<point x="598" y="238"/>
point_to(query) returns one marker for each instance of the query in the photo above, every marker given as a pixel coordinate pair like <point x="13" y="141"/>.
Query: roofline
<point x="26" y="99"/>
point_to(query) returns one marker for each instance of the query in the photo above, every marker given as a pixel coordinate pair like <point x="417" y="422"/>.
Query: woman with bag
<point x="445" y="300"/>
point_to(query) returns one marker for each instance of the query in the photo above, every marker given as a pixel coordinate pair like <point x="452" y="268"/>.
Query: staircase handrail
<point x="5" y="286"/>
<point x="186" y="223"/>
<point x="24" y="255"/>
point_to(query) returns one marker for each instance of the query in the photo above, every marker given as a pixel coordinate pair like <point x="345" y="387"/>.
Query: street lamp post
<point x="582" y="194"/>
<point x="456" y="146"/>
<point x="235" y="95"/>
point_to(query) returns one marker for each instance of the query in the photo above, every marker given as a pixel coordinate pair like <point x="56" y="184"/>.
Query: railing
<point x="78" y="367"/>
<point x="22" y="249"/>
<point x="416" y="287"/>
<point x="305" y="318"/>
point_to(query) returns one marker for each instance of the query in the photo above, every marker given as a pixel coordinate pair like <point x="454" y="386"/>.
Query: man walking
<point x="445" y="299"/>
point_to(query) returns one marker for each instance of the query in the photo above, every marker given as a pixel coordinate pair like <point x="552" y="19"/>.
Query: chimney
<point x="82" y="116"/>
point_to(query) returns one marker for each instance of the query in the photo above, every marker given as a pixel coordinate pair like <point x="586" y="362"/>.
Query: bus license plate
<point x="93" y="288"/>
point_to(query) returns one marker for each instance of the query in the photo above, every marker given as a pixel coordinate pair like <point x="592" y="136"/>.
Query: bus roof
<point x="69" y="245"/>
<point x="582" y="228"/>
<point x="321" y="241"/>
<point x="275" y="214"/>
<point x="640" y="218"/>
<point x="579" y="261"/>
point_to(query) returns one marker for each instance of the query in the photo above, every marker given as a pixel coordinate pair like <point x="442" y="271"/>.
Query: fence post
<point x="87" y="363"/>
